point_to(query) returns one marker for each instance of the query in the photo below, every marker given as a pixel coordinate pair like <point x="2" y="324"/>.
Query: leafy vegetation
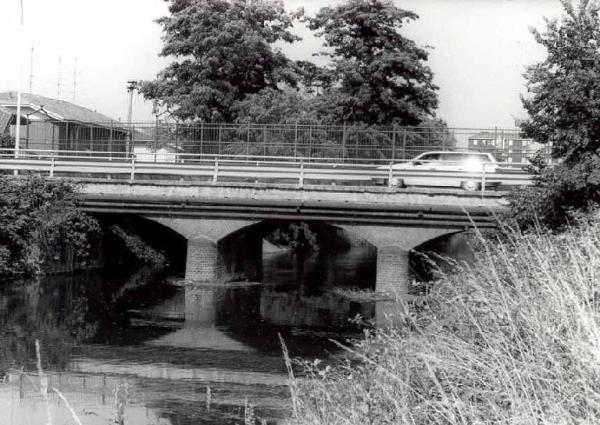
<point x="513" y="339"/>
<point x="224" y="53"/>
<point x="298" y="237"/>
<point x="227" y="69"/>
<point x="563" y="102"/>
<point x="376" y="76"/>
<point x="135" y="247"/>
<point x="39" y="224"/>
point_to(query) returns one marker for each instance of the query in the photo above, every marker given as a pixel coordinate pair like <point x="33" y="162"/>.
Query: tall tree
<point x="563" y="98"/>
<point x="223" y="52"/>
<point x="563" y="102"/>
<point x="381" y="76"/>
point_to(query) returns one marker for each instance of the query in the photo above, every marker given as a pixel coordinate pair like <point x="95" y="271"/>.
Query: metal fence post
<point x="393" y="142"/>
<point x="219" y="141"/>
<point x="216" y="171"/>
<point x="132" y="176"/>
<point x="391" y="174"/>
<point x="52" y="164"/>
<point x="176" y="142"/>
<point x="155" y="137"/>
<point x="201" y="136"/>
<point x="265" y="140"/>
<point x="343" y="141"/>
<point x="248" y="141"/>
<point x="404" y="144"/>
<point x="131" y="145"/>
<point x="310" y="141"/>
<point x="110" y="141"/>
<point x="296" y="139"/>
<point x="301" y="179"/>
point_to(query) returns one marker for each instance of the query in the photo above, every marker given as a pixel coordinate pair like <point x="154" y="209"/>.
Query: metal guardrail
<point x="243" y="168"/>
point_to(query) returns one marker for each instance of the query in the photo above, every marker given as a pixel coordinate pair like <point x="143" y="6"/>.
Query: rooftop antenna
<point x="59" y="81"/>
<point x="74" y="78"/>
<point x="31" y="73"/>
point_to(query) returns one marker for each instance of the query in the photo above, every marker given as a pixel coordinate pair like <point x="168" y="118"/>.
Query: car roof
<point x="457" y="152"/>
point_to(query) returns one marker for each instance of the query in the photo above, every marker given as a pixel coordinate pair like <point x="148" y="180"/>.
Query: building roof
<point x="484" y="135"/>
<point x="53" y="108"/>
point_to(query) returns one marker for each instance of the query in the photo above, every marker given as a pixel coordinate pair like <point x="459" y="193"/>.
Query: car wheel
<point x="396" y="182"/>
<point x="470" y="185"/>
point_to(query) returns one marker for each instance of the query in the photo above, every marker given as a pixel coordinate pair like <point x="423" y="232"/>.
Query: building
<point x="505" y="145"/>
<point x="61" y="127"/>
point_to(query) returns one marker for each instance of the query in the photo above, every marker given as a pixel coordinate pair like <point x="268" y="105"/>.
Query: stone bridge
<point x="222" y="222"/>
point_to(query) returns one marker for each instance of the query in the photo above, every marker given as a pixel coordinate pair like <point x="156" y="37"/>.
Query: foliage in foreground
<point x="513" y="340"/>
<point x="40" y="223"/>
<point x="563" y="102"/>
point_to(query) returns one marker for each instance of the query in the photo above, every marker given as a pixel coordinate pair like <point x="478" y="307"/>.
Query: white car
<point x="415" y="171"/>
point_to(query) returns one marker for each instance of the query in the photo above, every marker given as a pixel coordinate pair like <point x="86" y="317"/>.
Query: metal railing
<point x="308" y="141"/>
<point x="248" y="168"/>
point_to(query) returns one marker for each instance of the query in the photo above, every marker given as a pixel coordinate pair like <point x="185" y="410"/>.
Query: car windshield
<point x="464" y="157"/>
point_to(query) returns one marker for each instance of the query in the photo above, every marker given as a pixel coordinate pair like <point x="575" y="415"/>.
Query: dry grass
<point x="514" y="339"/>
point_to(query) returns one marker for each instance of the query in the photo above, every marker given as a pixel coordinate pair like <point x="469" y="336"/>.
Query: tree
<point x="563" y="103"/>
<point x="564" y="89"/>
<point x="223" y="51"/>
<point x="276" y="106"/>
<point x="380" y="75"/>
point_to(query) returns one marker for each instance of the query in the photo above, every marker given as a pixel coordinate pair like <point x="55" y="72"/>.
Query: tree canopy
<point x="563" y="102"/>
<point x="226" y="69"/>
<point x="223" y="51"/>
<point x="379" y="76"/>
<point x="563" y="98"/>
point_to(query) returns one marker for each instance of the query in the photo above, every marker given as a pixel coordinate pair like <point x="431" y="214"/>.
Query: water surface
<point x="163" y="353"/>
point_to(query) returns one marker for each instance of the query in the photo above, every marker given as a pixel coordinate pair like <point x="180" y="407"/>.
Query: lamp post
<point x="131" y="86"/>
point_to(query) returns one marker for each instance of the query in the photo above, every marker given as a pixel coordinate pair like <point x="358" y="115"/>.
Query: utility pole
<point x="131" y="86"/>
<point x="59" y="81"/>
<point x="74" y="78"/>
<point x="31" y="74"/>
<point x="18" y="123"/>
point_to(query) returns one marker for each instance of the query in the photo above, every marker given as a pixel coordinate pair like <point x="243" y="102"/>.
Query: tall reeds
<point x="512" y="339"/>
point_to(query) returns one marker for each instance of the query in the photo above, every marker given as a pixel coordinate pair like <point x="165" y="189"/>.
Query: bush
<point x="40" y="223"/>
<point x="513" y="340"/>
<point x="559" y="194"/>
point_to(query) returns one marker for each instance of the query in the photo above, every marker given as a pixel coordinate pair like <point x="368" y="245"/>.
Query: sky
<point x="85" y="51"/>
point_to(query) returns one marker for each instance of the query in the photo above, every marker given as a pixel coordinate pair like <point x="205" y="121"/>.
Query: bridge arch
<point x="221" y="250"/>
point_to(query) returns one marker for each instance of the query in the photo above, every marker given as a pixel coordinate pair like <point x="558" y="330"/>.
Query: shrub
<point x="512" y="340"/>
<point x="559" y="194"/>
<point x="39" y="220"/>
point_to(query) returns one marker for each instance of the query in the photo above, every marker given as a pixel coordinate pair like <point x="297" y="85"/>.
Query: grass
<point x="514" y="339"/>
<point x="360" y="295"/>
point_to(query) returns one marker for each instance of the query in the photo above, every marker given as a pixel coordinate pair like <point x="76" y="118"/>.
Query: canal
<point x="144" y="348"/>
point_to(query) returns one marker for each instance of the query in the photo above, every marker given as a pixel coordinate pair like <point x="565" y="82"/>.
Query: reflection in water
<point x="167" y="346"/>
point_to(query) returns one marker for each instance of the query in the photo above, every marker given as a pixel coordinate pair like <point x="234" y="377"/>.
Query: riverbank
<point x="513" y="339"/>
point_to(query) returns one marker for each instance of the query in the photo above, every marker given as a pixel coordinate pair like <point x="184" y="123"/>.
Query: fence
<point x="344" y="143"/>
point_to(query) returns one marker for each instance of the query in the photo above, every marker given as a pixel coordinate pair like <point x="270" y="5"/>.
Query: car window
<point x="427" y="157"/>
<point x="454" y="157"/>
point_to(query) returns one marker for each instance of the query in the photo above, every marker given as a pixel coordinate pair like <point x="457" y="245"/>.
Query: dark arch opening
<point x="159" y="237"/>
<point x="427" y="259"/>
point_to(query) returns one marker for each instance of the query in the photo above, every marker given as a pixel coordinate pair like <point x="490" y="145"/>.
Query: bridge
<point x="220" y="203"/>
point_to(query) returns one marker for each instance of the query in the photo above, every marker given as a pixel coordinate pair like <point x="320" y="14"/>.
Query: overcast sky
<point x="479" y="50"/>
